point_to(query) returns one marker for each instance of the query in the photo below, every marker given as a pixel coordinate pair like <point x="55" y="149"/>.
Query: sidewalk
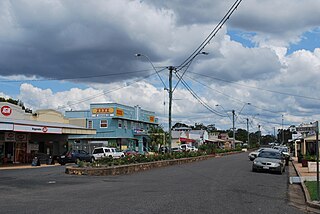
<point x="24" y="166"/>
<point x="304" y="175"/>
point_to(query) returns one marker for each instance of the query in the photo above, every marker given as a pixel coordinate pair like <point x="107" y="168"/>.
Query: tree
<point x="158" y="136"/>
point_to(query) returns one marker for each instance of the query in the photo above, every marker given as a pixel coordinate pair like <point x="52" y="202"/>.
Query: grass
<point x="312" y="189"/>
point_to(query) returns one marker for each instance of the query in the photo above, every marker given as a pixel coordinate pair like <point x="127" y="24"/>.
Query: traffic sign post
<point x="317" y="152"/>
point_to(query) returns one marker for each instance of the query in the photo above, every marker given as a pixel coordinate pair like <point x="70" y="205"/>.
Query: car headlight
<point x="276" y="164"/>
<point x="256" y="162"/>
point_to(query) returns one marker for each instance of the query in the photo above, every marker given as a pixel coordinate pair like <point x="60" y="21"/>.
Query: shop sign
<point x="37" y="129"/>
<point x="102" y="110"/>
<point x="306" y="128"/>
<point x="151" y="119"/>
<point x="6" y="111"/>
<point x="119" y="112"/>
<point x="9" y="136"/>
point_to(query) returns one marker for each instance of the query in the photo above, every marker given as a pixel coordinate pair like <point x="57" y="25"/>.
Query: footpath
<point x="304" y="175"/>
<point x="24" y="166"/>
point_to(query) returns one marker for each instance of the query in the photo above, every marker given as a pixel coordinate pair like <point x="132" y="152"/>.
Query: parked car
<point x="194" y="149"/>
<point x="186" y="147"/>
<point x="176" y="149"/>
<point x="130" y="152"/>
<point x="254" y="154"/>
<point x="101" y="152"/>
<point x="284" y="150"/>
<point x="73" y="156"/>
<point x="269" y="160"/>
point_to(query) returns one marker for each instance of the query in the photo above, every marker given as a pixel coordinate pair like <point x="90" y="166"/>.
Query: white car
<point x="101" y="152"/>
<point x="254" y="154"/>
<point x="195" y="149"/>
<point x="186" y="147"/>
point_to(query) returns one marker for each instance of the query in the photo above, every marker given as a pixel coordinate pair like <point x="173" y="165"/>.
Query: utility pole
<point x="248" y="131"/>
<point x="317" y="153"/>
<point x="259" y="134"/>
<point x="170" y="105"/>
<point x="282" y="132"/>
<point x="233" y="129"/>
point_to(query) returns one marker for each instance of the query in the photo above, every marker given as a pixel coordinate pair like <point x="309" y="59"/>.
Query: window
<point x="119" y="124"/>
<point x="132" y="125"/>
<point x="125" y="124"/>
<point x="90" y="125"/>
<point x="103" y="123"/>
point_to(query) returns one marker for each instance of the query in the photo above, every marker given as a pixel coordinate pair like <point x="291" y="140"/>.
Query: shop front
<point x="24" y="135"/>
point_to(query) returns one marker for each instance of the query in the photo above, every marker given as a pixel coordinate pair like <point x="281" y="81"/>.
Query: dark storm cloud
<point x="68" y="43"/>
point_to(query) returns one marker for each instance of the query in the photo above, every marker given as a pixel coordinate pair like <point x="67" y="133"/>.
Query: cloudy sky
<point x="66" y="54"/>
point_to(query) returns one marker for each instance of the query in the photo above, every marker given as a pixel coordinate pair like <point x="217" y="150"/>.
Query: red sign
<point x="45" y="129"/>
<point x="6" y="110"/>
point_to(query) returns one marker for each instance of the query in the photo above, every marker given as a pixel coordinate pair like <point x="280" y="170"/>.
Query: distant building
<point x="117" y="125"/>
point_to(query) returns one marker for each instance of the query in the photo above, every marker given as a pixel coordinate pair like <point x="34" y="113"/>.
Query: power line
<point x="199" y="99"/>
<point x="212" y="34"/>
<point x="80" y="77"/>
<point x="238" y="100"/>
<point x="262" y="89"/>
<point x="106" y="92"/>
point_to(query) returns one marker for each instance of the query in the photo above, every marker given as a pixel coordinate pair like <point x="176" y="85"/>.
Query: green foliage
<point x="312" y="189"/>
<point x="208" y="148"/>
<point x="134" y="159"/>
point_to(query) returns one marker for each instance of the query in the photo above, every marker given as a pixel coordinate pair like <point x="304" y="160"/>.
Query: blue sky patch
<point x="309" y="41"/>
<point x="245" y="38"/>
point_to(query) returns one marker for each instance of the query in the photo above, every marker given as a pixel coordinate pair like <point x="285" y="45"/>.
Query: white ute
<point x="101" y="152"/>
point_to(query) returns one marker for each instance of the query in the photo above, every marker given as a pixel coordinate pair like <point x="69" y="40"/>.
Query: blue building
<point x="116" y="125"/>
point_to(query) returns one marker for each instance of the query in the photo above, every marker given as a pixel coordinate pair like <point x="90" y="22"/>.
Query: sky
<point x="263" y="63"/>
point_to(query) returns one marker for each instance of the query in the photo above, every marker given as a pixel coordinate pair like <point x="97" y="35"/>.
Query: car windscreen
<point x="269" y="154"/>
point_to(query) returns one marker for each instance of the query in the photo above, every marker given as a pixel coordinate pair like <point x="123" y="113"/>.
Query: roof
<point x="39" y="123"/>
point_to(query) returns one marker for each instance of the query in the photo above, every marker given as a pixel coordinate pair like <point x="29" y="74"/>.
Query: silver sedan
<point x="268" y="160"/>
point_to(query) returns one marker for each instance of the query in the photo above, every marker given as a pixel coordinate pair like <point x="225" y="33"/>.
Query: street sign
<point x="306" y="128"/>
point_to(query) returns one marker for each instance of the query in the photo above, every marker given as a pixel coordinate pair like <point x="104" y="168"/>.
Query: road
<point x="218" y="185"/>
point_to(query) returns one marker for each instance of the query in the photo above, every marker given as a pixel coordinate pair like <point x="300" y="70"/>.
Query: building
<point x="117" y="125"/>
<point x="25" y="134"/>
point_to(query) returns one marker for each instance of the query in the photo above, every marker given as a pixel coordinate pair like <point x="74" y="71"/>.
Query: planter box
<point x="312" y="166"/>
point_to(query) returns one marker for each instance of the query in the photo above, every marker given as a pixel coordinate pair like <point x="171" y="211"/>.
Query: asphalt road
<point x="218" y="185"/>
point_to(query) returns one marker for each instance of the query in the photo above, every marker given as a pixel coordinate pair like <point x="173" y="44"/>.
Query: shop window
<point x="90" y="124"/>
<point x="132" y="125"/>
<point x="103" y="123"/>
<point x="120" y="124"/>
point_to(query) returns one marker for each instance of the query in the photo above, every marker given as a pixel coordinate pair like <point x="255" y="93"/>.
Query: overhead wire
<point x="106" y="92"/>
<point x="208" y="39"/>
<point x="199" y="99"/>
<point x="253" y="87"/>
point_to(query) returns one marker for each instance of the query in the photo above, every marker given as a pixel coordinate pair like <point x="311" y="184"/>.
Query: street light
<point x="171" y="68"/>
<point x="139" y="55"/>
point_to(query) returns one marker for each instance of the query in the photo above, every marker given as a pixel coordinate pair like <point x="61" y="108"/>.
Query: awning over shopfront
<point x="30" y="126"/>
<point x="187" y="140"/>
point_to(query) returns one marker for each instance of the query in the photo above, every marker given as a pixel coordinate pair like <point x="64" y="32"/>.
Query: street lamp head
<point x="137" y="55"/>
<point x="204" y="53"/>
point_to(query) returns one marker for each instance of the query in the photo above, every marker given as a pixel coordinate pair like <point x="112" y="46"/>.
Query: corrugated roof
<point x="39" y="123"/>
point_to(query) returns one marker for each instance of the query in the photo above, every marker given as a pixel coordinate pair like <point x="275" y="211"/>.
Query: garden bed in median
<point x="137" y="167"/>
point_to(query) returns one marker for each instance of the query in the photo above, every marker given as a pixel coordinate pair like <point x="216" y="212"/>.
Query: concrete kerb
<point x="132" y="168"/>
<point x="309" y="202"/>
